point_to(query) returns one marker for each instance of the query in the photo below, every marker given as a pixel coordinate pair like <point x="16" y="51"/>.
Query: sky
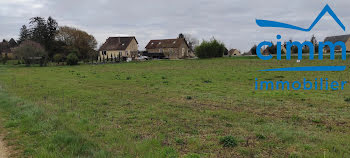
<point x="230" y="21"/>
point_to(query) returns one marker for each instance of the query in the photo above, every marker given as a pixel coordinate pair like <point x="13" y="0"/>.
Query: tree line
<point x="43" y="40"/>
<point x="294" y="49"/>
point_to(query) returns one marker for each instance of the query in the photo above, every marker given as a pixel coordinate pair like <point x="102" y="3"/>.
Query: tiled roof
<point x="116" y="43"/>
<point x="165" y="43"/>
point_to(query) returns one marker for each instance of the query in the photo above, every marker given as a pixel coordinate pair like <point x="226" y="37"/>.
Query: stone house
<point x="234" y="52"/>
<point x="334" y="39"/>
<point x="168" y="48"/>
<point x="9" y="53"/>
<point x="115" y="47"/>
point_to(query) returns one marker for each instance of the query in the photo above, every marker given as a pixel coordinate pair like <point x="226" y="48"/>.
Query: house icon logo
<point x="300" y="45"/>
<point x="326" y="9"/>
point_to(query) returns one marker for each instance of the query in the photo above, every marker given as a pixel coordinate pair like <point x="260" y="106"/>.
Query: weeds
<point x="228" y="141"/>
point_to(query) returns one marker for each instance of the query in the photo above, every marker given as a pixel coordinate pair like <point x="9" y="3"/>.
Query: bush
<point x="347" y="100"/>
<point x="253" y="50"/>
<point x="210" y="49"/>
<point x="58" y="58"/>
<point x="31" y="52"/>
<point x="72" y="59"/>
<point x="228" y="141"/>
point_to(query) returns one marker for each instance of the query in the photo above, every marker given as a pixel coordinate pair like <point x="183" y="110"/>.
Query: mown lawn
<point x="172" y="109"/>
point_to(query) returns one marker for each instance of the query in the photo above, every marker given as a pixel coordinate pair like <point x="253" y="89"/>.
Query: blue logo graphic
<point x="322" y="45"/>
<point x="326" y="9"/>
<point x="311" y="68"/>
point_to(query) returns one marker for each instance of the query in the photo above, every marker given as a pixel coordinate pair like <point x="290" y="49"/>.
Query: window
<point x="183" y="51"/>
<point x="104" y="52"/>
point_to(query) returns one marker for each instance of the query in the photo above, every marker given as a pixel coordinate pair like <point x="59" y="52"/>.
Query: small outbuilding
<point x="234" y="52"/>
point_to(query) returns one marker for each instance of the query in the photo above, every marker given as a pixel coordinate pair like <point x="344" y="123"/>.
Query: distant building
<point x="168" y="48"/>
<point x="9" y="53"/>
<point x="6" y="50"/>
<point x="115" y="47"/>
<point x="334" y="39"/>
<point x="234" y="52"/>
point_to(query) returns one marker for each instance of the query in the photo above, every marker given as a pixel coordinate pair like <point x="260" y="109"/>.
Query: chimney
<point x="181" y="35"/>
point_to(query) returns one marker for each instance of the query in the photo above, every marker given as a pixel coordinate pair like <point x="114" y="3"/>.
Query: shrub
<point x="58" y="58"/>
<point x="228" y="141"/>
<point x="72" y="59"/>
<point x="31" y="52"/>
<point x="347" y="100"/>
<point x="210" y="49"/>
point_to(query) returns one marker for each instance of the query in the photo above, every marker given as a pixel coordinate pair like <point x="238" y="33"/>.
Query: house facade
<point x="234" y="52"/>
<point x="6" y="51"/>
<point x="334" y="39"/>
<point x="168" y="48"/>
<point x="9" y="53"/>
<point x="119" y="47"/>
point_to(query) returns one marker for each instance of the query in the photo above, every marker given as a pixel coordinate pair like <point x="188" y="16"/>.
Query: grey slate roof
<point x="333" y="39"/>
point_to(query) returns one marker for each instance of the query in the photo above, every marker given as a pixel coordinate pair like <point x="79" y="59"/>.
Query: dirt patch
<point x="3" y="150"/>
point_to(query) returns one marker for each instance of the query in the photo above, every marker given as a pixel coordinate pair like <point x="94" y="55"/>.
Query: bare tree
<point x="191" y="41"/>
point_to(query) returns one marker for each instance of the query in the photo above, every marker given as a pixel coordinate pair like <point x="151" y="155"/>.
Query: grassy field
<point x="172" y="109"/>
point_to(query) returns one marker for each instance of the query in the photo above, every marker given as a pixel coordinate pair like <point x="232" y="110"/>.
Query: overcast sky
<point x="230" y="21"/>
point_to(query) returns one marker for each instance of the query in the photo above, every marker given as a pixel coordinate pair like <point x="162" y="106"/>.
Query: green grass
<point x="172" y="109"/>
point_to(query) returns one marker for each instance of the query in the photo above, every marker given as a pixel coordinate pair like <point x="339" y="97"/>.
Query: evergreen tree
<point x="314" y="42"/>
<point x="253" y="50"/>
<point x="24" y="34"/>
<point x="44" y="32"/>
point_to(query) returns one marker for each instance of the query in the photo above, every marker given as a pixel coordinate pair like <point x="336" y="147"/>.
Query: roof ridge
<point x="164" y="39"/>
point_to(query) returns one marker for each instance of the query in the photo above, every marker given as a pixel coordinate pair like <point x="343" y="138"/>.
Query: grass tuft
<point x="228" y="141"/>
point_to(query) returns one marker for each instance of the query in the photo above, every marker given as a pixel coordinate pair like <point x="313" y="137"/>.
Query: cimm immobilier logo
<point x="318" y="84"/>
